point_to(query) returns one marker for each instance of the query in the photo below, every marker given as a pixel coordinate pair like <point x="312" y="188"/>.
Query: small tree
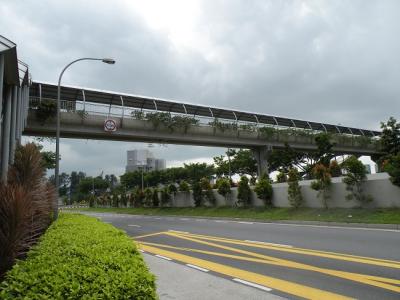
<point x="392" y="166"/>
<point x="355" y="176"/>
<point x="322" y="183"/>
<point x="263" y="190"/>
<point x="281" y="177"/>
<point x="207" y="190"/>
<point x="184" y="186"/>
<point x="197" y="194"/>
<point x="172" y="189"/>
<point x="165" y="196"/>
<point x="139" y="197"/>
<point x="148" y="197"/>
<point x="244" y="192"/>
<point x="294" y="189"/>
<point x="224" y="187"/>
<point x="334" y="169"/>
<point x="155" y="199"/>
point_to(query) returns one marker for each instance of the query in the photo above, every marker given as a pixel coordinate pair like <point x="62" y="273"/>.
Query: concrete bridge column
<point x="261" y="155"/>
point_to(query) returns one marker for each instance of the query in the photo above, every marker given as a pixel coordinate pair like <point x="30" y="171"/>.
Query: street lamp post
<point x="57" y="169"/>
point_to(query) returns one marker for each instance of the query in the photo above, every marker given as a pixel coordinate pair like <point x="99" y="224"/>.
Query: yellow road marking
<point x="365" y="279"/>
<point x="331" y="255"/>
<point x="279" y="284"/>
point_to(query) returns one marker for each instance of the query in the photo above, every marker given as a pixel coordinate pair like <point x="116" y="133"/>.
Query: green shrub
<point x="281" y="177"/>
<point x="223" y="186"/>
<point x="184" y="186"/>
<point x="263" y="190"/>
<point x="322" y="183"/>
<point x="172" y="189"/>
<point x="148" y="197"/>
<point x="334" y="169"/>
<point x="355" y="176"/>
<point x="244" y="192"/>
<point x="156" y="200"/>
<point x="165" y="196"/>
<point x="392" y="166"/>
<point x="80" y="257"/>
<point x="294" y="190"/>
<point x="197" y="194"/>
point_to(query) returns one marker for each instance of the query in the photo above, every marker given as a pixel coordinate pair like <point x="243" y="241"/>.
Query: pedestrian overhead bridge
<point x="146" y="119"/>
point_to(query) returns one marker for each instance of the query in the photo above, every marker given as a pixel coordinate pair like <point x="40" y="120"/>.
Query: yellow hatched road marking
<point x="148" y="235"/>
<point x="291" y="264"/>
<point x="365" y="279"/>
<point x="279" y="284"/>
<point x="331" y="255"/>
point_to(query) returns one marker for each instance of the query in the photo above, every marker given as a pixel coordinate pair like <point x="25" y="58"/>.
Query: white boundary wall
<point x="385" y="194"/>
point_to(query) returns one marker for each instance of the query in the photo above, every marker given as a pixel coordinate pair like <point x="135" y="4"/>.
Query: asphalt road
<point x="288" y="260"/>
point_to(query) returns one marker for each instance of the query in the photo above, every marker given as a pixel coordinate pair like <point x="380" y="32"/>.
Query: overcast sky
<point x="328" y="61"/>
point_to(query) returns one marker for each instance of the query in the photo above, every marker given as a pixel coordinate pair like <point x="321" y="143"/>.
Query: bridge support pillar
<point x="261" y="155"/>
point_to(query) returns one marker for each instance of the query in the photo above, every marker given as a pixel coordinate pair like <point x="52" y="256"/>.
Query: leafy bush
<point x="156" y="200"/>
<point x="322" y="183"/>
<point x="184" y="186"/>
<point x="80" y="257"/>
<point x="138" y="197"/>
<point x="244" y="191"/>
<point x="263" y="190"/>
<point x="207" y="190"/>
<point x="294" y="189"/>
<point x="165" y="196"/>
<point x="148" y="197"/>
<point x="355" y="176"/>
<point x="334" y="169"/>
<point x="281" y="177"/>
<point x="172" y="189"/>
<point x="392" y="166"/>
<point x="26" y="205"/>
<point x="47" y="109"/>
<point x="224" y="187"/>
<point x="197" y="194"/>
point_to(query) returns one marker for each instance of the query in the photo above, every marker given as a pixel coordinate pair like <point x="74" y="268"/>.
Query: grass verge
<point x="353" y="215"/>
<point x="80" y="257"/>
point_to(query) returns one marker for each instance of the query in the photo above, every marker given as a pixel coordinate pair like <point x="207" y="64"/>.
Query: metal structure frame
<point x="70" y="93"/>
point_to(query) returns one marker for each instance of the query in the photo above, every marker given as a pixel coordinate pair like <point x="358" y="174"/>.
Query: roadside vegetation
<point x="79" y="257"/>
<point x="354" y="215"/>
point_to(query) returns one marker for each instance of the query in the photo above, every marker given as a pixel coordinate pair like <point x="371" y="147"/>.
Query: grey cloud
<point x="332" y="61"/>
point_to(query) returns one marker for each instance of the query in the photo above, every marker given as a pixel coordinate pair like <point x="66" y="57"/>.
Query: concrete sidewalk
<point x="180" y="282"/>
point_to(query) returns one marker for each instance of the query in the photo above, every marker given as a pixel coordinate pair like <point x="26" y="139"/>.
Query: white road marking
<point x="133" y="225"/>
<point x="272" y="244"/>
<point x="198" y="268"/>
<point x="261" y="287"/>
<point x="201" y="220"/>
<point x="142" y="251"/>
<point x="163" y="257"/>
<point x="184" y="219"/>
<point x="243" y="222"/>
<point x="177" y="231"/>
<point x="334" y="227"/>
<point x="220" y="221"/>
<point x="158" y="218"/>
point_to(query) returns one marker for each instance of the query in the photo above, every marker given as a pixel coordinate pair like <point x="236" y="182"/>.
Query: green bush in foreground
<point x="80" y="257"/>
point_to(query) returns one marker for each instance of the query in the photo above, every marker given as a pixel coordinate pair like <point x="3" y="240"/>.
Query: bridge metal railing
<point x="277" y="133"/>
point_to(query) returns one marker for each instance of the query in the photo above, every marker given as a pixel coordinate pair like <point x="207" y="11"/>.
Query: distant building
<point x="143" y="158"/>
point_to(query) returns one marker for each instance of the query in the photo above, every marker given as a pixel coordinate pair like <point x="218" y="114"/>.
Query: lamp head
<point x="109" y="61"/>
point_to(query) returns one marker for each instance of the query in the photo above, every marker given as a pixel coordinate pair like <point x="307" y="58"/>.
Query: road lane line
<point x="333" y="227"/>
<point x="275" y="283"/>
<point x="163" y="257"/>
<point x="244" y="222"/>
<point x="197" y="268"/>
<point x="267" y="243"/>
<point x="134" y="225"/>
<point x="261" y="287"/>
<point x="220" y="221"/>
<point x="326" y="254"/>
<point x="184" y="219"/>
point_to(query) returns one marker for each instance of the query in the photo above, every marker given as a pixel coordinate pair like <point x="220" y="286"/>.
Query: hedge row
<point x="80" y="257"/>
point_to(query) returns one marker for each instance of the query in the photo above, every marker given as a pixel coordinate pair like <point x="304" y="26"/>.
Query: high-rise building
<point x="143" y="158"/>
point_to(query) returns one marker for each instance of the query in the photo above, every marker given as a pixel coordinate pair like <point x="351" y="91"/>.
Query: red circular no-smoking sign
<point x="110" y="125"/>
